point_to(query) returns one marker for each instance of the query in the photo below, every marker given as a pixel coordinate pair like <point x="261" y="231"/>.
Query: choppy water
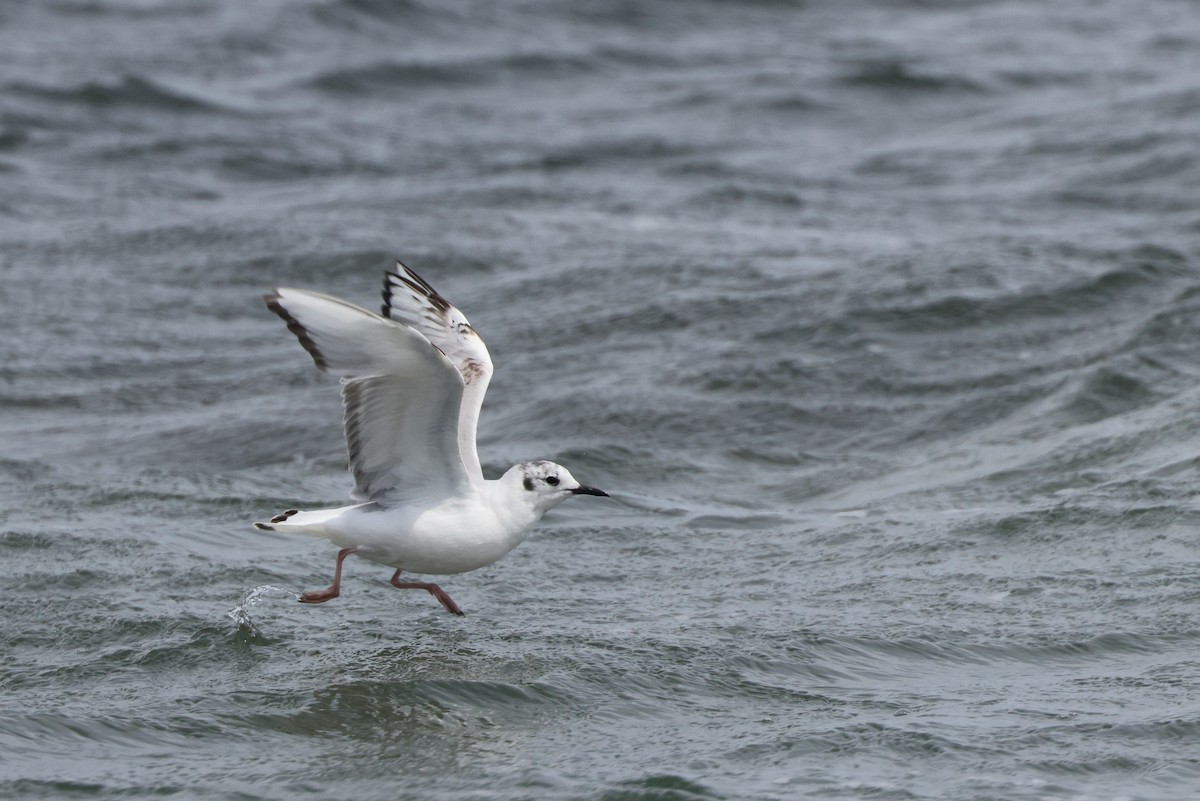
<point x="882" y="319"/>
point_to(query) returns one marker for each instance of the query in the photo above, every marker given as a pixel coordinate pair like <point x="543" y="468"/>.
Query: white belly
<point x="452" y="537"/>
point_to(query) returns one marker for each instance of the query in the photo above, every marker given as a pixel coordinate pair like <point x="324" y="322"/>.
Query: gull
<point x="413" y="379"/>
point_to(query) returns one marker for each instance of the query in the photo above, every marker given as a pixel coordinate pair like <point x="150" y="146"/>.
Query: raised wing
<point x="402" y="396"/>
<point x="409" y="299"/>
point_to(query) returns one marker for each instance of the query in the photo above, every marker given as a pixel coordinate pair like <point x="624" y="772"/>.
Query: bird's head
<point x="546" y="484"/>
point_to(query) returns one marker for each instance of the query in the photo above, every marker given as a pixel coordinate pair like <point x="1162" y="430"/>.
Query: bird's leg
<point x="334" y="589"/>
<point x="432" y="589"/>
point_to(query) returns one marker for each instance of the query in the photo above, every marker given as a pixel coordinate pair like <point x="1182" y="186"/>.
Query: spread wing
<point x="409" y="299"/>
<point x="402" y="395"/>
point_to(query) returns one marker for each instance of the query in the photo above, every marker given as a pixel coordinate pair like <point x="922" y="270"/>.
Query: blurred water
<point x="878" y="318"/>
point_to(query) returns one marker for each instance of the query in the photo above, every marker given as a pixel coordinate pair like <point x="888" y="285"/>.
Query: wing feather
<point x="409" y="299"/>
<point x="401" y="394"/>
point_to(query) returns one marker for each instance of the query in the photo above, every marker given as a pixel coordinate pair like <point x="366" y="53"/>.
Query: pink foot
<point x="319" y="596"/>
<point x="334" y="589"/>
<point x="432" y="589"/>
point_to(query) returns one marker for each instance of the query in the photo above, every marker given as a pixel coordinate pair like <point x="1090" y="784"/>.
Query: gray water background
<point x="879" y="319"/>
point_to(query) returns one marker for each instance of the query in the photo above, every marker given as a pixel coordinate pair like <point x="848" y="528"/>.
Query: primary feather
<point x="408" y="299"/>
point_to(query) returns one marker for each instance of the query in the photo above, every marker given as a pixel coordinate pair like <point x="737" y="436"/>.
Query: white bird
<point x="413" y="380"/>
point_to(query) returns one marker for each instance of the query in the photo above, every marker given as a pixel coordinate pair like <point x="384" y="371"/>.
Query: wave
<point x="400" y="76"/>
<point x="390" y="76"/>
<point x="1146" y="268"/>
<point x="900" y="75"/>
<point x="660" y="787"/>
<point x="360" y="15"/>
<point x="741" y="196"/>
<point x="131" y="90"/>
<point x="34" y="733"/>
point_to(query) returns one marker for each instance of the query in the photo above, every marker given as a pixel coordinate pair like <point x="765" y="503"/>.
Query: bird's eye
<point x="552" y="481"/>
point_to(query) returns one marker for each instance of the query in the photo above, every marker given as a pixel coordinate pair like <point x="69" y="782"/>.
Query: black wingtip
<point x="410" y="273"/>
<point x="264" y="527"/>
<point x="275" y="303"/>
<point x="406" y="276"/>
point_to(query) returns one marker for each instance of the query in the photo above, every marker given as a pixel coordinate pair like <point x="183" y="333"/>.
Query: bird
<point x="413" y="379"/>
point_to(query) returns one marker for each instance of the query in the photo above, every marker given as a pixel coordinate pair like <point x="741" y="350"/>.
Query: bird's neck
<point x="514" y="513"/>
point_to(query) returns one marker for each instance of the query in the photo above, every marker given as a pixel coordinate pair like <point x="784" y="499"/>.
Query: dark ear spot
<point x="529" y="483"/>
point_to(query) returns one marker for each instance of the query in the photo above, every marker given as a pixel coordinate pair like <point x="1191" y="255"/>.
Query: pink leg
<point x="432" y="589"/>
<point x="334" y="589"/>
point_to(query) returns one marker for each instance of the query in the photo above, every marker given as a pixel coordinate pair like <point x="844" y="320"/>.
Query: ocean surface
<point x="880" y="320"/>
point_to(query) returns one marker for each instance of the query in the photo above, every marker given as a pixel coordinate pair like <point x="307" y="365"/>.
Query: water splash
<point x="240" y="614"/>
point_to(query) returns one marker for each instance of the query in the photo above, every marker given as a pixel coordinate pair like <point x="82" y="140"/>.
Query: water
<point x="879" y="319"/>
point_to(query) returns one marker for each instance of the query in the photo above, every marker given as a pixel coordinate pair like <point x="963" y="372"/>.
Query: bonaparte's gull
<point x="413" y="379"/>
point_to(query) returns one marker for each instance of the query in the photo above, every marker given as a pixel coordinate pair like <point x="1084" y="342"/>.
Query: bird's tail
<point x="297" y="522"/>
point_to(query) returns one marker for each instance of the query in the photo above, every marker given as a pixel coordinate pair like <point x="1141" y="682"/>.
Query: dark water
<point x="882" y="319"/>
